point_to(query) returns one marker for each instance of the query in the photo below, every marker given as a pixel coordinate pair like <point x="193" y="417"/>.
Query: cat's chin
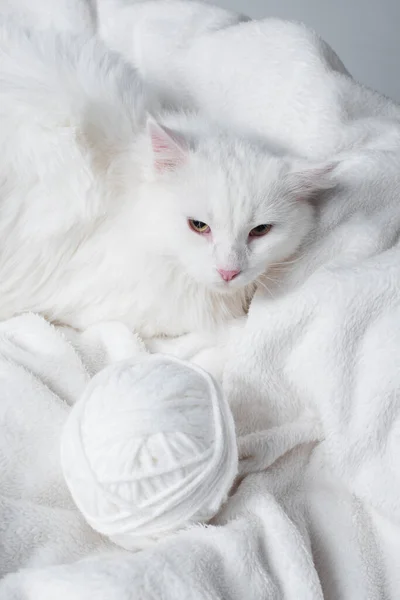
<point x="229" y="288"/>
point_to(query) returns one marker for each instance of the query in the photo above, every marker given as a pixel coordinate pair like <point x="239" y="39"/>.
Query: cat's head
<point x="227" y="209"/>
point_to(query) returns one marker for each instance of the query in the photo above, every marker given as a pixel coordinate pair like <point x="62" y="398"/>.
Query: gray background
<point x="365" y="33"/>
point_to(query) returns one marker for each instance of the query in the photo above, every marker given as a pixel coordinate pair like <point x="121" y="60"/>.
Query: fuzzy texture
<point x="313" y="379"/>
<point x="74" y="16"/>
<point x="149" y="449"/>
<point x="102" y="200"/>
<point x="271" y="78"/>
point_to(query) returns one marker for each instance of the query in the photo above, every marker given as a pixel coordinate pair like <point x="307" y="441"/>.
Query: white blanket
<point x="267" y="78"/>
<point x="313" y="379"/>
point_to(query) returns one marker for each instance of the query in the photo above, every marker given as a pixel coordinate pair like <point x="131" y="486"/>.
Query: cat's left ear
<point x="307" y="180"/>
<point x="170" y="149"/>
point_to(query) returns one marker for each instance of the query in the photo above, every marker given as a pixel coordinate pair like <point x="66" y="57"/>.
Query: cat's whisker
<point x="265" y="287"/>
<point x="286" y="262"/>
<point x="271" y="279"/>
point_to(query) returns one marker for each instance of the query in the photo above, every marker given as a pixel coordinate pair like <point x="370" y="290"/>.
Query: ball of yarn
<point x="150" y="448"/>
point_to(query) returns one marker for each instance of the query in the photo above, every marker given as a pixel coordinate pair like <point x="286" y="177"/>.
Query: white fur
<point x="91" y="230"/>
<point x="75" y="16"/>
<point x="271" y="77"/>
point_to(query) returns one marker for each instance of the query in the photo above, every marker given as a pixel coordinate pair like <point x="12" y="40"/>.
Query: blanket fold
<point x="312" y="376"/>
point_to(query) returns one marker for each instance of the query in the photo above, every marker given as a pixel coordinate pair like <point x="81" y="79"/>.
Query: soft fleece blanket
<point x="313" y="378"/>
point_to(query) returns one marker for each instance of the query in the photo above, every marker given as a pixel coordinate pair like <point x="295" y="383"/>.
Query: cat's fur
<point x="94" y="203"/>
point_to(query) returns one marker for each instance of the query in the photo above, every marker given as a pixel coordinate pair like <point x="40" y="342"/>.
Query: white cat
<point x="165" y="226"/>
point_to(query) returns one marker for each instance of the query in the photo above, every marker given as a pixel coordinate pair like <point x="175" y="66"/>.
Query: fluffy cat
<point x="106" y="214"/>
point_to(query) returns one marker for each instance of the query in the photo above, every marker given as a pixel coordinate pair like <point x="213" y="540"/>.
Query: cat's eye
<point x="198" y="226"/>
<point x="260" y="230"/>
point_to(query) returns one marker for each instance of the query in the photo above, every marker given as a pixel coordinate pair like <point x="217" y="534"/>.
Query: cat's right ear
<point x="306" y="181"/>
<point x="170" y="149"/>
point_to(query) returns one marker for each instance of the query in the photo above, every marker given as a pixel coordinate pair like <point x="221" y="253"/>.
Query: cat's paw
<point x="185" y="347"/>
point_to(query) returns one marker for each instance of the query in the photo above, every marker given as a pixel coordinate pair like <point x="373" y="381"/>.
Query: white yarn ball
<point x="150" y="448"/>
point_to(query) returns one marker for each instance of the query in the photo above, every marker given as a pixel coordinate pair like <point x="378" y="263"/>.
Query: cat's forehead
<point x="236" y="183"/>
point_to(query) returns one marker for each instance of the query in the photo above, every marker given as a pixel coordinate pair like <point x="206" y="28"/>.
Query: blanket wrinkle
<point x="260" y="449"/>
<point x="312" y="376"/>
<point x="193" y="54"/>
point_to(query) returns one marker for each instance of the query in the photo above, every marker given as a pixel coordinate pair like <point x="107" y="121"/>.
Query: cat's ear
<point x="307" y="180"/>
<point x="170" y="149"/>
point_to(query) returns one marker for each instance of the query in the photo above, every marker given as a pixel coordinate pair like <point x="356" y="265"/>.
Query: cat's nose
<point x="228" y="275"/>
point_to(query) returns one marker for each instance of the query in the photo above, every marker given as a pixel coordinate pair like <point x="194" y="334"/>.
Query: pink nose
<point x="228" y="275"/>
